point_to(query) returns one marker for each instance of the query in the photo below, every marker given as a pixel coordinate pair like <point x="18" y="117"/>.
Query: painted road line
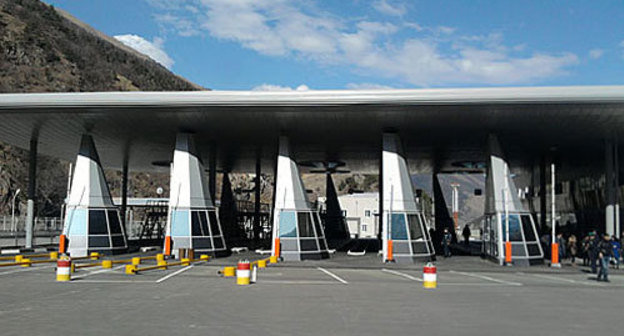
<point x="174" y="273"/>
<point x="484" y="277"/>
<point x="413" y="278"/>
<point x="298" y="282"/>
<point x="117" y="281"/>
<point x="34" y="268"/>
<point x="550" y="277"/>
<point x="97" y="272"/>
<point x="332" y="275"/>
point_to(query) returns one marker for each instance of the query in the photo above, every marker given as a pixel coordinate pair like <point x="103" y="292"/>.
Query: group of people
<point x="596" y="251"/>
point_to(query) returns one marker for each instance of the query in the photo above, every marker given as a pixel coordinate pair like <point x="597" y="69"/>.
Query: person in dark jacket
<point x="466" y="233"/>
<point x="605" y="251"/>
<point x="593" y="251"/>
<point x="447" y="238"/>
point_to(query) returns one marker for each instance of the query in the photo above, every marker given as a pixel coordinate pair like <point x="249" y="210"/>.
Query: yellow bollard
<point x="160" y="257"/>
<point x="94" y="256"/>
<point x="186" y="261"/>
<point x="25" y="262"/>
<point x="262" y="263"/>
<point x="204" y="257"/>
<point x="53" y="255"/>
<point x="136" y="261"/>
<point x="107" y="264"/>
<point x="273" y="260"/>
<point x="72" y="268"/>
<point x="131" y="269"/>
<point x="229" y="272"/>
<point x="162" y="263"/>
<point x="18" y="258"/>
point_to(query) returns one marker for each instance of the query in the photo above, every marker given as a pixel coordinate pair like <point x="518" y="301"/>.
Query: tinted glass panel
<point x="113" y="221"/>
<point x="317" y="225"/>
<point x="533" y="250"/>
<point x="414" y="227"/>
<point x="101" y="241"/>
<point x="419" y="248"/>
<point x="399" y="231"/>
<point x="214" y="224"/>
<point x="527" y="226"/>
<point x="218" y="242"/>
<point x="118" y="241"/>
<point x="308" y="245"/>
<point x="287" y="224"/>
<point x="202" y="243"/>
<point x="203" y="221"/>
<point x="97" y="222"/>
<point x="514" y="228"/>
<point x="195" y="225"/>
<point x="305" y="224"/>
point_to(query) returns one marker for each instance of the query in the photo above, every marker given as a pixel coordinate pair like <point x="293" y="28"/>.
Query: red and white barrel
<point x="430" y="277"/>
<point x="63" y="269"/>
<point x="243" y="272"/>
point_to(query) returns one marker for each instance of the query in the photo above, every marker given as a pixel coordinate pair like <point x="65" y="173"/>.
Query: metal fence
<point x="42" y="224"/>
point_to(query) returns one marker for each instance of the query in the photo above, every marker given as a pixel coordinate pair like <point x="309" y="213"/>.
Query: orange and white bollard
<point x="390" y="257"/>
<point x="254" y="274"/>
<point x="554" y="255"/>
<point x="243" y="273"/>
<point x="63" y="269"/>
<point x="508" y="254"/>
<point x="430" y="277"/>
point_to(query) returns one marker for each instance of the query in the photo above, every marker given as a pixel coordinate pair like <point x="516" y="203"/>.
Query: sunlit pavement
<point x="474" y="297"/>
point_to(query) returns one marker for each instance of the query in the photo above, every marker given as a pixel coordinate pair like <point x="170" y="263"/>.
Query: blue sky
<point x="356" y="44"/>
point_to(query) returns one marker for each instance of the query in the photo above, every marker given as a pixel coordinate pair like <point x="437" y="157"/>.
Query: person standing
<point x="617" y="247"/>
<point x="605" y="251"/>
<point x="446" y="243"/>
<point x="572" y="249"/>
<point x="585" y="250"/>
<point x="466" y="233"/>
<point x="593" y="251"/>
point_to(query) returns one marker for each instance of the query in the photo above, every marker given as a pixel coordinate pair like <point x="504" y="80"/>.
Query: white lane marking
<point x="484" y="277"/>
<point x="26" y="270"/>
<point x="113" y="281"/>
<point x="413" y="278"/>
<point x="97" y="272"/>
<point x="174" y="274"/>
<point x="332" y="275"/>
<point x="298" y="282"/>
<point x="549" y="277"/>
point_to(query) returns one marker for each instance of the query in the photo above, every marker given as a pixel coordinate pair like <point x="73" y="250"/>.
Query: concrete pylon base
<point x="92" y="223"/>
<point x="193" y="221"/>
<point x="297" y="232"/>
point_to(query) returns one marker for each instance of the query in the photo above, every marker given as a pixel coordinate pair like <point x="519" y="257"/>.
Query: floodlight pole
<point x="506" y="211"/>
<point x="554" y="252"/>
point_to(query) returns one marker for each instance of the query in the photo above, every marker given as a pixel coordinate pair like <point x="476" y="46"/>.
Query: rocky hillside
<point x="45" y="50"/>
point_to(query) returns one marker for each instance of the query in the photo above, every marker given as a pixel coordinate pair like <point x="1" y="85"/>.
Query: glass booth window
<point x="527" y="227"/>
<point x="287" y="224"/>
<point x="305" y="224"/>
<point x="514" y="228"/>
<point x="195" y="224"/>
<point x="203" y="223"/>
<point x="97" y="222"/>
<point x="76" y="222"/>
<point x="398" y="228"/>
<point x="317" y="225"/>
<point x="214" y="224"/>
<point x="113" y="221"/>
<point x="415" y="227"/>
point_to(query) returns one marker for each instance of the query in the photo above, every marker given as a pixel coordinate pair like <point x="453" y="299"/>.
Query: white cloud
<point x="367" y="86"/>
<point x="405" y="51"/>
<point x="596" y="53"/>
<point x="154" y="50"/>
<point x="271" y="87"/>
<point x="385" y="7"/>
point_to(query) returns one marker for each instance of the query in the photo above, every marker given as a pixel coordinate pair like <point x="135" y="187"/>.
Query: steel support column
<point x="612" y="222"/>
<point x="32" y="190"/>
